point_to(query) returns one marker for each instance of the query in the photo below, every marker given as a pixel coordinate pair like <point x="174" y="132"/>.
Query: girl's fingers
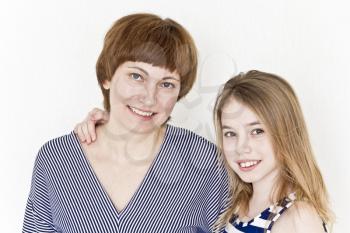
<point x="105" y="116"/>
<point x="91" y="127"/>
<point x="99" y="116"/>
<point x="84" y="128"/>
<point x="80" y="133"/>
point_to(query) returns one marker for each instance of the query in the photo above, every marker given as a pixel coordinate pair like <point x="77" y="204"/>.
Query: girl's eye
<point x="136" y="76"/>
<point x="168" y="85"/>
<point x="257" y="131"/>
<point x="229" y="134"/>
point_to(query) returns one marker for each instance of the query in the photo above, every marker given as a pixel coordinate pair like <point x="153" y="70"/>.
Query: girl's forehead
<point x="234" y="112"/>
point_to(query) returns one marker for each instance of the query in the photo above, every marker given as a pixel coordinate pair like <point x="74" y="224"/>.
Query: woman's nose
<point x="148" y="98"/>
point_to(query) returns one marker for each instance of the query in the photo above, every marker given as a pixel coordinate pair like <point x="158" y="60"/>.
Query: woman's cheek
<point x="167" y="102"/>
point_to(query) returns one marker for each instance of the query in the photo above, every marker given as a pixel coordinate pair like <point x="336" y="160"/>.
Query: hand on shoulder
<point x="86" y="130"/>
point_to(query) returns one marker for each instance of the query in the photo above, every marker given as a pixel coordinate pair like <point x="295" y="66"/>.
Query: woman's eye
<point x="168" y="85"/>
<point x="135" y="76"/>
<point x="257" y="131"/>
<point x="229" y="134"/>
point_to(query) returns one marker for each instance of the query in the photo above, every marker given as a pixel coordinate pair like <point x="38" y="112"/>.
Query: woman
<point x="275" y="183"/>
<point x="140" y="174"/>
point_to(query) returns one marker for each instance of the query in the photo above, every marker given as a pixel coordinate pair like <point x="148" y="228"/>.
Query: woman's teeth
<point x="248" y="164"/>
<point x="142" y="113"/>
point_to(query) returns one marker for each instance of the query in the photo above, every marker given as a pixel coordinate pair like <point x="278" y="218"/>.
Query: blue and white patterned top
<point x="264" y="221"/>
<point x="184" y="190"/>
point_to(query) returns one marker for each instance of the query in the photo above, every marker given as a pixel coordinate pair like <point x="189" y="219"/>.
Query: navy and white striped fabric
<point x="264" y="221"/>
<point x="183" y="191"/>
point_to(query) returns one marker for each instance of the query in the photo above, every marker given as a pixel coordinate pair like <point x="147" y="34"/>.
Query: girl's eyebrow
<point x="253" y="123"/>
<point x="249" y="124"/>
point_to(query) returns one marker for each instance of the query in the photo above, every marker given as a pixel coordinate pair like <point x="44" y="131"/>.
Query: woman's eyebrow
<point x="145" y="72"/>
<point x="138" y="68"/>
<point x="175" y="79"/>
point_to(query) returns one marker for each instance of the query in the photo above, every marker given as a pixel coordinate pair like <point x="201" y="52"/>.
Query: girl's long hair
<point x="275" y="103"/>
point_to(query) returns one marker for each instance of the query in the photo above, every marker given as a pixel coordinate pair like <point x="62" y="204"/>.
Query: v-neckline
<point x="139" y="189"/>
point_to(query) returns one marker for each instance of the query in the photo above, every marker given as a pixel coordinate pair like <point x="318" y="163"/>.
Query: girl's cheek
<point x="229" y="150"/>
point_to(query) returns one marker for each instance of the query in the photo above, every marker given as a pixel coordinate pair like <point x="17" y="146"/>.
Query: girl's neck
<point x="262" y="194"/>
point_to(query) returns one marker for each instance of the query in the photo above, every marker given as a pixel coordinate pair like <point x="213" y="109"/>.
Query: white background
<point x="48" y="51"/>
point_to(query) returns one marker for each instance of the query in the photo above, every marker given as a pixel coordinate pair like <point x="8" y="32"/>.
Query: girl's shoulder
<point x="300" y="217"/>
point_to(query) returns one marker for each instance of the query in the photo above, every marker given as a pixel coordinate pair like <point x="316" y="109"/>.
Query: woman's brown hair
<point x="148" y="38"/>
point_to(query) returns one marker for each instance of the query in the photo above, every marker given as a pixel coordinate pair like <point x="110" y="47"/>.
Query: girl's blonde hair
<point x="275" y="103"/>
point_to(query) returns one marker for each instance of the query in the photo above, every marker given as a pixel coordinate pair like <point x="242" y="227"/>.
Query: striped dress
<point x="184" y="190"/>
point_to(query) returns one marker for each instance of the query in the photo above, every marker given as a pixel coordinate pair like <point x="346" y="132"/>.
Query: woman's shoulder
<point x="300" y="217"/>
<point x="189" y="136"/>
<point x="191" y="144"/>
<point x="60" y="147"/>
<point x="191" y="139"/>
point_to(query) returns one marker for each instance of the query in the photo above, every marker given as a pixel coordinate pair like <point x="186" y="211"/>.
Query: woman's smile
<point x="143" y="114"/>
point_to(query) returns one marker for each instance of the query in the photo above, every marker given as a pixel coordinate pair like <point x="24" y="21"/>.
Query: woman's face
<point x="142" y="96"/>
<point x="247" y="144"/>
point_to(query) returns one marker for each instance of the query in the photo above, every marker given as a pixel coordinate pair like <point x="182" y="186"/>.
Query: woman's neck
<point x="128" y="145"/>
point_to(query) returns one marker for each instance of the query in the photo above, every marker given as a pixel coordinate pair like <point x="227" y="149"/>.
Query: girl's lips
<point x="247" y="165"/>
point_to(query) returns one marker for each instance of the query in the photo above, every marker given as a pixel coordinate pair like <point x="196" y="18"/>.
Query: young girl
<point x="276" y="185"/>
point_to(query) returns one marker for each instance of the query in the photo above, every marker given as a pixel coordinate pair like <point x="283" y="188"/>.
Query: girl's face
<point x="247" y="144"/>
<point x="142" y="96"/>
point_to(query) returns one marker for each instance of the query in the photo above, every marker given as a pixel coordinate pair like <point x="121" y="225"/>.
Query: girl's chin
<point x="248" y="179"/>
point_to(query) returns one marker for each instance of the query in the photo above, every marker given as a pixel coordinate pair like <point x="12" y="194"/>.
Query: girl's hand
<point x="86" y="130"/>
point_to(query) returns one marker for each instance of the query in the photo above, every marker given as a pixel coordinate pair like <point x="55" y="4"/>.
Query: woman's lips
<point x="144" y="115"/>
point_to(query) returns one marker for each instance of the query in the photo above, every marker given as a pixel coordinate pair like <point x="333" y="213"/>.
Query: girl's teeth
<point x="248" y="164"/>
<point x="141" y="112"/>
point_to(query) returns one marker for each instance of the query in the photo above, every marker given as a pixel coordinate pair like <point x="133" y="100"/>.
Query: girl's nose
<point x="243" y="146"/>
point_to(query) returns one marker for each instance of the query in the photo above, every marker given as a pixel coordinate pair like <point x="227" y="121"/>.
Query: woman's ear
<point x="106" y="84"/>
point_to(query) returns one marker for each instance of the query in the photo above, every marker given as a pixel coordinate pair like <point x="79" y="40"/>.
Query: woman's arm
<point x="86" y="129"/>
<point x="38" y="215"/>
